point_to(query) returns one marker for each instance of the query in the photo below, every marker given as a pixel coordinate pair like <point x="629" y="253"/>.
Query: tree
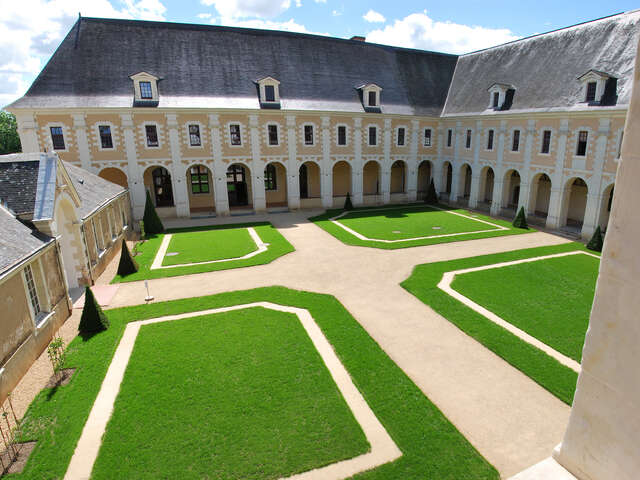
<point x="57" y="356"/>
<point x="9" y="138"/>
<point x="152" y="222"/>
<point x="596" y="241"/>
<point x="347" y="203"/>
<point x="432" y="197"/>
<point x="521" y="219"/>
<point x="93" y="319"/>
<point x="127" y="264"/>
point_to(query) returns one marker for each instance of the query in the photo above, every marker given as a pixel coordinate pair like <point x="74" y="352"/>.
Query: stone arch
<point x="425" y="169"/>
<point x="114" y="175"/>
<point x="371" y="174"/>
<point x="574" y="203"/>
<point x="66" y="220"/>
<point x="540" y="195"/>
<point x="200" y="185"/>
<point x="158" y="182"/>
<point x="341" y="178"/>
<point x="275" y="185"/>
<point x="464" y="182"/>
<point x="485" y="190"/>
<point x="239" y="185"/>
<point x="511" y="189"/>
<point x="398" y="177"/>
<point x="447" y="177"/>
<point x="310" y="184"/>
<point x="605" y="206"/>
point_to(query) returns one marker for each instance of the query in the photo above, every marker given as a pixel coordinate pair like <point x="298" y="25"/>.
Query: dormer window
<point x="598" y="88"/>
<point x="501" y="96"/>
<point x="145" y="90"/>
<point x="370" y="97"/>
<point x="269" y="92"/>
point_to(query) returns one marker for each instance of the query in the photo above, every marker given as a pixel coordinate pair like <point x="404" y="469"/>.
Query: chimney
<point x="358" y="38"/>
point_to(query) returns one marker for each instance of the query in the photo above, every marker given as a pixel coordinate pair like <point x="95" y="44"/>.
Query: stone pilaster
<point x="326" y="169"/>
<point x="135" y="174"/>
<point x="293" y="171"/>
<point x="257" y="166"/>
<point x="412" y="164"/>
<point x="28" y="132"/>
<point x="80" y="130"/>
<point x="219" y="167"/>
<point x="357" y="167"/>
<point x="558" y="190"/>
<point x="385" y="173"/>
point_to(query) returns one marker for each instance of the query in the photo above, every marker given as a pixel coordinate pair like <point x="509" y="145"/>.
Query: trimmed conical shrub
<point x="347" y="203"/>
<point x="127" y="264"/>
<point x="432" y="197"/>
<point x="152" y="222"/>
<point x="521" y="219"/>
<point x="93" y="319"/>
<point x="596" y="241"/>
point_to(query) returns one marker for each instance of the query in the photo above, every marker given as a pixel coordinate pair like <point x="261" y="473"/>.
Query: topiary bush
<point x="347" y="203"/>
<point x="152" y="222"/>
<point x="93" y="319"/>
<point x="127" y="264"/>
<point x="432" y="197"/>
<point x="596" y="241"/>
<point x="521" y="219"/>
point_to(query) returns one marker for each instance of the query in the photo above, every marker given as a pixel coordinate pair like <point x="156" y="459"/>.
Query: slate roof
<point x="17" y="241"/>
<point x="93" y="190"/>
<point x="18" y="185"/>
<point x="212" y="66"/>
<point x="544" y="69"/>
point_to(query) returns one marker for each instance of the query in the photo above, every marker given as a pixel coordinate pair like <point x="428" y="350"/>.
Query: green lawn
<point x="278" y="246"/>
<point x="207" y="245"/>
<point x="549" y="299"/>
<point x="245" y="393"/>
<point x="432" y="447"/>
<point x="545" y="370"/>
<point x="404" y="222"/>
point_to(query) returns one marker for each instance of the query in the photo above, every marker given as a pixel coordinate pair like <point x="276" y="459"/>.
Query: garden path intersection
<point x="511" y="420"/>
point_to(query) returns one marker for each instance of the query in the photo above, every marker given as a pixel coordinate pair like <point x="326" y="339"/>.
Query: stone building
<point x="218" y="120"/>
<point x="59" y="227"/>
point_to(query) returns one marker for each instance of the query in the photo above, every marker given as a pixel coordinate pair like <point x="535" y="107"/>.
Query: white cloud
<point x="298" y="3"/>
<point x="288" y="26"/>
<point x="204" y="15"/>
<point x="374" y="17"/>
<point x="230" y="9"/>
<point x="320" y="1"/>
<point x="30" y="30"/>
<point x="418" y="30"/>
<point x="336" y="13"/>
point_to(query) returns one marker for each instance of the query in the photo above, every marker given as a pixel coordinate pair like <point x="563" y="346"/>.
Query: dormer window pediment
<point x="370" y="96"/>
<point x="598" y="88"/>
<point x="269" y="92"/>
<point x="501" y="96"/>
<point x="145" y="89"/>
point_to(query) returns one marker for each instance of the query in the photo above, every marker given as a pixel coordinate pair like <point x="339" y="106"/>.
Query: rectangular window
<point x="449" y="137"/>
<point x="273" y="134"/>
<point x="515" y="144"/>
<point x="468" y="142"/>
<point x="581" y="148"/>
<point x="308" y="134"/>
<point x="33" y="293"/>
<point x="269" y="93"/>
<point x="145" y="90"/>
<point x="591" y="91"/>
<point x="199" y="179"/>
<point x="427" y="137"/>
<point x="234" y="131"/>
<point x="106" y="141"/>
<point x="194" y="135"/>
<point x="152" y="135"/>
<point x="373" y="136"/>
<point x="401" y="137"/>
<point x="96" y="239"/>
<point x="124" y="216"/>
<point x="57" y="138"/>
<point x="546" y="141"/>
<point x="496" y="99"/>
<point x="342" y="135"/>
<point x="490" y="140"/>
<point x="372" y="99"/>
<point x="270" y="177"/>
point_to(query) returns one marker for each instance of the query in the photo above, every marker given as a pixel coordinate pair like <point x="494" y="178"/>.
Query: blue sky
<point x="30" y="30"/>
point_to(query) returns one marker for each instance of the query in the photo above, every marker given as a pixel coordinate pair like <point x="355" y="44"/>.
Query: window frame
<point x="495" y="100"/>
<point x="449" y="137"/>
<point x="346" y="141"/>
<point x="104" y="136"/>
<point x="468" y="139"/>
<point x="269" y="93"/>
<point x="148" y="143"/>
<point x="270" y="178"/>
<point x="57" y="135"/>
<point x="582" y="145"/>
<point x="35" y="305"/>
<point x="305" y="139"/>
<point x="591" y="90"/>
<point x="427" y="139"/>
<point x="545" y="143"/>
<point x="199" y="182"/>
<point x="143" y="91"/>
<point x="515" y="140"/>
<point x="373" y="128"/>
<point x="490" y="145"/>
<point x="372" y="95"/>
<point x="232" y="134"/>
<point x="270" y="139"/>
<point x="404" y="136"/>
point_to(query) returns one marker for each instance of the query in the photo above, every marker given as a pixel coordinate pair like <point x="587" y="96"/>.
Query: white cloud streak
<point x="374" y="17"/>
<point x="232" y="9"/>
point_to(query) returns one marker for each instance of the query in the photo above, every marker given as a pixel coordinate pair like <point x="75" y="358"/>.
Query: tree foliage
<point x="127" y="264"/>
<point x="432" y="197"/>
<point x="521" y="219"/>
<point x="93" y="319"/>
<point x="9" y="138"/>
<point x="596" y="241"/>
<point x="347" y="203"/>
<point x="152" y="222"/>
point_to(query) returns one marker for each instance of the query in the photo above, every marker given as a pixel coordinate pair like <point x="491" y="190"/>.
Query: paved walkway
<point x="510" y="419"/>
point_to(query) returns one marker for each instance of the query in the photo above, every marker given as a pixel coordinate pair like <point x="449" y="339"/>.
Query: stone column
<point x="257" y="167"/>
<point x="437" y="173"/>
<point x="475" y="168"/>
<point x="591" y="214"/>
<point x="412" y="164"/>
<point x="80" y="129"/>
<point x="293" y="169"/>
<point x="385" y="171"/>
<point x="592" y="211"/>
<point x="499" y="181"/>
<point x="558" y="190"/>
<point x="28" y="132"/>
<point x="603" y="435"/>
<point x="219" y="173"/>
<point x="356" y="169"/>
<point x="525" y="176"/>
<point x="134" y="172"/>
<point x="178" y="171"/>
<point x="326" y="169"/>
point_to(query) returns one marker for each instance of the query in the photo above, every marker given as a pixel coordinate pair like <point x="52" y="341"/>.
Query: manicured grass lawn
<point x="203" y="246"/>
<point x="411" y="221"/>
<point x="245" y="393"/>
<point x="432" y="447"/>
<point x="278" y="246"/>
<point x="397" y="223"/>
<point x="545" y="370"/>
<point x="549" y="299"/>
